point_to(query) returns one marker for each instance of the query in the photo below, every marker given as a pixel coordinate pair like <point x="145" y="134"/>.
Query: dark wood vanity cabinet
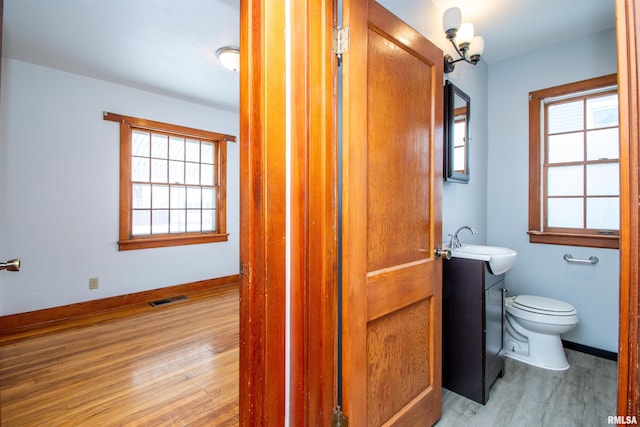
<point x="472" y="325"/>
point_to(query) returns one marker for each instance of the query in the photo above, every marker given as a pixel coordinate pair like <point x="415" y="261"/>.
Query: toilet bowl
<point x="533" y="326"/>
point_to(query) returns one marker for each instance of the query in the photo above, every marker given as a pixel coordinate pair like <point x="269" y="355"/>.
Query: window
<point x="574" y="193"/>
<point x="172" y="184"/>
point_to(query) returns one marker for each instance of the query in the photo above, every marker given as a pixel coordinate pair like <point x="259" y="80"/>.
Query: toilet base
<point x="540" y="350"/>
<point x="526" y="359"/>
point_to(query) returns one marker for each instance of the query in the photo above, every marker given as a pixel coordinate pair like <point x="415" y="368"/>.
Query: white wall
<point x="59" y="178"/>
<point x="540" y="269"/>
<point x="463" y="204"/>
<point x="466" y="204"/>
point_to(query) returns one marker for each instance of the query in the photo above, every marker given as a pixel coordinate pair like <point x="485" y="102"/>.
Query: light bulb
<point x="476" y="49"/>
<point x="464" y="36"/>
<point x="451" y="21"/>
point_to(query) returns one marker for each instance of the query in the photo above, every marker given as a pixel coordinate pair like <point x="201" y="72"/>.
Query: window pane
<point x="159" y="170"/>
<point x="565" y="181"/>
<point x="178" y="221"/>
<point x="141" y="196"/>
<point x="176" y="148"/>
<point x="178" y="197"/>
<point x="160" y="222"/>
<point x="140" y="169"/>
<point x="176" y="172"/>
<point x="603" y="144"/>
<point x="602" y="111"/>
<point x="194" y="197"/>
<point x="603" y="213"/>
<point x="459" y="159"/>
<point x="160" y="196"/>
<point x="141" y="222"/>
<point x="193" y="220"/>
<point x="206" y="175"/>
<point x="159" y="146"/>
<point x="566" y="117"/>
<point x="140" y="143"/>
<point x="193" y="150"/>
<point x="207" y="153"/>
<point x="568" y="147"/>
<point x="208" y="220"/>
<point x="193" y="173"/>
<point x="565" y="213"/>
<point x="459" y="130"/>
<point x="208" y="198"/>
<point x="603" y="179"/>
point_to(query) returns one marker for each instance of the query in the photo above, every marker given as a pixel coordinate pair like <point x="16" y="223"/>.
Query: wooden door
<point x="392" y="175"/>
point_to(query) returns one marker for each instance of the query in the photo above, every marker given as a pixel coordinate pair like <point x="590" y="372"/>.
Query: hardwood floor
<point x="170" y="365"/>
<point x="584" y="395"/>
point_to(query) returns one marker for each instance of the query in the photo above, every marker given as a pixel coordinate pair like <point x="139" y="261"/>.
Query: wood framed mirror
<point x="457" y="107"/>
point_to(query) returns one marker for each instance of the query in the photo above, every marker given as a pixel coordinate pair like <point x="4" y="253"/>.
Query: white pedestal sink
<point x="500" y="259"/>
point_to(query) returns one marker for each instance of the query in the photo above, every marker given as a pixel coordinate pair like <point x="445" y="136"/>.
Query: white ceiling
<point x="164" y="46"/>
<point x="168" y="46"/>
<point x="512" y="27"/>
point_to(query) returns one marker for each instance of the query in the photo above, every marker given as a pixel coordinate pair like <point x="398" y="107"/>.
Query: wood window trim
<point x="536" y="231"/>
<point x="128" y="242"/>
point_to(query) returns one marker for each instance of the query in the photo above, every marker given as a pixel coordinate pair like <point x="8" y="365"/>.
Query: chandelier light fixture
<point x="468" y="47"/>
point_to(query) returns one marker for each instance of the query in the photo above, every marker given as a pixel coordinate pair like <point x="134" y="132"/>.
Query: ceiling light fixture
<point x="468" y="47"/>
<point x="229" y="57"/>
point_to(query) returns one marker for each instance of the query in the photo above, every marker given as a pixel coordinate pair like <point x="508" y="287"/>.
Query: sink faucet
<point x="454" y="242"/>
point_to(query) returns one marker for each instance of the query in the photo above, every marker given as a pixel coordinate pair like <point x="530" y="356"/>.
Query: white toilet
<point x="533" y="326"/>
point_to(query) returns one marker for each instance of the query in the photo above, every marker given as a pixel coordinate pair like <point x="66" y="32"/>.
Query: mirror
<point x="457" y="106"/>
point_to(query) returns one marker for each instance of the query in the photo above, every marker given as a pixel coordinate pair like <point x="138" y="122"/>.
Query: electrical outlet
<point x="93" y="283"/>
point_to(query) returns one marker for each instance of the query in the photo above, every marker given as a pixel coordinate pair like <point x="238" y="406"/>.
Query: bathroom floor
<point x="584" y="395"/>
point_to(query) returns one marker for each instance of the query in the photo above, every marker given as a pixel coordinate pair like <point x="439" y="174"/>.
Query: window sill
<point x="166" y="241"/>
<point x="590" y="241"/>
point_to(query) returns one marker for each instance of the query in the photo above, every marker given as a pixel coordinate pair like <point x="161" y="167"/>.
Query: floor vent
<point x="168" y="301"/>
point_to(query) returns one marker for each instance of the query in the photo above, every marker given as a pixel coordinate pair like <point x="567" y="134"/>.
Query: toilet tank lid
<point x="543" y="303"/>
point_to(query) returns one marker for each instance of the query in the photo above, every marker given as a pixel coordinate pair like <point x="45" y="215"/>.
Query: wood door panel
<point x="412" y="415"/>
<point x="383" y="287"/>
<point x="392" y="285"/>
<point x="398" y="362"/>
<point x="397" y="157"/>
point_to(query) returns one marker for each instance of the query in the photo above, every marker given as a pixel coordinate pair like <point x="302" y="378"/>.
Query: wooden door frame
<point x="1" y="20"/>
<point x="628" y="35"/>
<point x="288" y="249"/>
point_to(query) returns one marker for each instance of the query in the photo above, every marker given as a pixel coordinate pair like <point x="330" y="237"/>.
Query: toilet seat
<point x="543" y="305"/>
<point x="541" y="310"/>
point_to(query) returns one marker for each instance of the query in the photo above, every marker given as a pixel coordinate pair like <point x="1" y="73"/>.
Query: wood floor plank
<point x="170" y="365"/>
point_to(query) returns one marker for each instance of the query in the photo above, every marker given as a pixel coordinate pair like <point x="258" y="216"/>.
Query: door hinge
<point x="340" y="42"/>
<point x="339" y="419"/>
